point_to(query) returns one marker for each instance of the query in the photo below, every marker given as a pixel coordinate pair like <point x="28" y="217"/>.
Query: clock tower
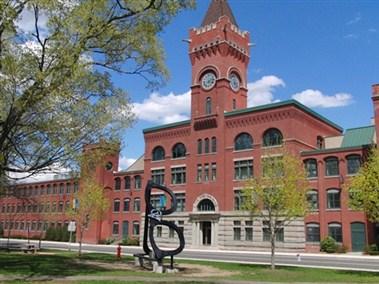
<point x="219" y="54"/>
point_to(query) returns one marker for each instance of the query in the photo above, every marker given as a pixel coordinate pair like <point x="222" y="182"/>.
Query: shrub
<point x="341" y="248"/>
<point x="372" y="249"/>
<point x="109" y="241"/>
<point x="130" y="242"/>
<point x="328" y="245"/>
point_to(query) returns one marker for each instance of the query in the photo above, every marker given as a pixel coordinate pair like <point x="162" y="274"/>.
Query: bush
<point x="130" y="242"/>
<point x="341" y="248"/>
<point x="372" y="249"/>
<point x="328" y="245"/>
<point x="109" y="241"/>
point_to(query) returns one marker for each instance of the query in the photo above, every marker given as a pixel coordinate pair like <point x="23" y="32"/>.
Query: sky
<point x="323" y="53"/>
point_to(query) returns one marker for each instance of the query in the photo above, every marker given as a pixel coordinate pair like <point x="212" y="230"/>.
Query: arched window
<point x="208" y="106"/>
<point x="214" y="145"/>
<point x="272" y="137"/>
<point x="206" y="205"/>
<point x="333" y="198"/>
<point x="116" y="205"/>
<point x="206" y="145"/>
<point x="353" y="164"/>
<point x="243" y="141"/>
<point x="335" y="231"/>
<point x="137" y="204"/>
<point x="137" y="182"/>
<point x="199" y="146"/>
<point x="127" y="182"/>
<point x="179" y="151"/>
<point x="117" y="183"/>
<point x="115" y="228"/>
<point x="126" y="205"/>
<point x="158" y="153"/>
<point x="320" y="142"/>
<point x="311" y="168"/>
<point x="312" y="232"/>
<point x="312" y="198"/>
<point x="331" y="166"/>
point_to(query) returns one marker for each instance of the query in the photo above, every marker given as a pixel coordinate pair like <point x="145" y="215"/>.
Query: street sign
<point x="71" y="226"/>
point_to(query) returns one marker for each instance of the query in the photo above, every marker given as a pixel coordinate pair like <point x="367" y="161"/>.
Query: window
<point x="248" y="230"/>
<point x="199" y="146"/>
<point x="171" y="232"/>
<point x="272" y="137"/>
<point x="42" y="190"/>
<point x="126" y="207"/>
<point x="312" y="232"/>
<point x="158" y="153"/>
<point x="206" y="172"/>
<point x="137" y="182"/>
<point x="335" y="231"/>
<point x="61" y="188"/>
<point x="199" y="173"/>
<point x="67" y="205"/>
<point x="213" y="145"/>
<point x="159" y="231"/>
<point x="158" y="201"/>
<point x="331" y="166"/>
<point x="54" y="207"/>
<point x="181" y="202"/>
<point x="158" y="176"/>
<point x="243" y="169"/>
<point x="333" y="199"/>
<point x="237" y="230"/>
<point x="181" y="226"/>
<point x="353" y="164"/>
<point x="117" y="183"/>
<point x="206" y="145"/>
<point x="127" y="182"/>
<point x="48" y="191"/>
<point x="60" y="206"/>
<point x="115" y="228"/>
<point x="178" y="175"/>
<point x="116" y="205"/>
<point x="68" y="188"/>
<point x="239" y="200"/>
<point x="76" y="187"/>
<point x="320" y="142"/>
<point x="267" y="232"/>
<point x="137" y="204"/>
<point x="135" y="228"/>
<point x="243" y="141"/>
<point x="55" y="189"/>
<point x="214" y="172"/>
<point x="312" y="198"/>
<point x="205" y="205"/>
<point x="311" y="168"/>
<point x="208" y="106"/>
<point x="179" y="151"/>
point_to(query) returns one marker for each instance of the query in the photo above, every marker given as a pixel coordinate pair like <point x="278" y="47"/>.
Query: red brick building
<point x="207" y="159"/>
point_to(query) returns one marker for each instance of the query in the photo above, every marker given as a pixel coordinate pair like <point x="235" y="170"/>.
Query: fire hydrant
<point x="118" y="252"/>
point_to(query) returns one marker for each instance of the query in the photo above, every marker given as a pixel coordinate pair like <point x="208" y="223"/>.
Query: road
<point x="345" y="261"/>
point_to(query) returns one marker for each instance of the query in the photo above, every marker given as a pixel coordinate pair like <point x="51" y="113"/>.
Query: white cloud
<point x="55" y="172"/>
<point x="164" y="109"/>
<point x="351" y="36"/>
<point x="125" y="163"/>
<point x="26" y="23"/>
<point x="315" y="98"/>
<point x="356" y="19"/>
<point x="262" y="91"/>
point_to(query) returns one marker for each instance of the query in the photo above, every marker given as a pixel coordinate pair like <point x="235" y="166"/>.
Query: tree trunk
<point x="273" y="249"/>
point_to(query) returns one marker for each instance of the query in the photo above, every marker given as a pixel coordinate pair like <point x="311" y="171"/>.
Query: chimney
<point x="375" y="101"/>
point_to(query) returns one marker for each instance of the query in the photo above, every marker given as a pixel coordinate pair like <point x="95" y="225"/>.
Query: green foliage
<point x="130" y="242"/>
<point x="364" y="187"/>
<point x="372" y="249"/>
<point x="328" y="245"/>
<point x="59" y="234"/>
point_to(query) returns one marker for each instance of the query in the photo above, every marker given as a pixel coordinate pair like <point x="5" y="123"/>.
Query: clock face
<point x="234" y="82"/>
<point x="108" y="166"/>
<point x="208" y="80"/>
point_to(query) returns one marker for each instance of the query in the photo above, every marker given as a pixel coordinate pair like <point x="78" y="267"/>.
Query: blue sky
<point x="323" y="53"/>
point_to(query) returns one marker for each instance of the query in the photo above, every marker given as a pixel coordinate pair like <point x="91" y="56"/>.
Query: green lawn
<point x="64" y="264"/>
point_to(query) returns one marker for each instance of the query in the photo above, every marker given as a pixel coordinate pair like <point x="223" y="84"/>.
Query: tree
<point x="278" y="196"/>
<point x="364" y="187"/>
<point x="56" y="92"/>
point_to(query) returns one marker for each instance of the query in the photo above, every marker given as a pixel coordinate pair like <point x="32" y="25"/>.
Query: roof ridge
<point x="360" y="127"/>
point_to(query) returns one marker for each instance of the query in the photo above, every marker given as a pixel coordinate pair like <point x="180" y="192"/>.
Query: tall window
<point x="213" y="145"/>
<point x="179" y="151"/>
<point x="335" y="231"/>
<point x="76" y="187"/>
<point x="320" y="142"/>
<point x="243" y="141"/>
<point x="178" y="175"/>
<point x="214" y="172"/>
<point x="158" y="176"/>
<point x="199" y="146"/>
<point x="236" y="230"/>
<point x="126" y="205"/>
<point x="353" y="164"/>
<point x="208" y="106"/>
<point x="135" y="228"/>
<point x="158" y="153"/>
<point x="117" y="183"/>
<point x="311" y="168"/>
<point x="206" y="205"/>
<point x="243" y="169"/>
<point x="127" y="182"/>
<point x="312" y="198"/>
<point x="61" y="188"/>
<point x="137" y="204"/>
<point x="199" y="173"/>
<point x="239" y="200"/>
<point x="68" y="188"/>
<point x="267" y="232"/>
<point x="115" y="228"/>
<point x="248" y="230"/>
<point x="312" y="232"/>
<point x="206" y="145"/>
<point x="334" y="199"/>
<point x="116" y="205"/>
<point x="181" y="202"/>
<point x="137" y="182"/>
<point x="331" y="166"/>
<point x="206" y="172"/>
<point x="272" y="137"/>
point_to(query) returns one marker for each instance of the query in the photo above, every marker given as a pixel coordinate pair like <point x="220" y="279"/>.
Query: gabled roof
<point x="137" y="165"/>
<point x="217" y="9"/>
<point x="359" y="136"/>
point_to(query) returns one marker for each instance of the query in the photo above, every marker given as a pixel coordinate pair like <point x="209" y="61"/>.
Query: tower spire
<point x="217" y="9"/>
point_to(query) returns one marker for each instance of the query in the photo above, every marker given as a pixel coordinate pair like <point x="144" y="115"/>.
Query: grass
<point x="67" y="264"/>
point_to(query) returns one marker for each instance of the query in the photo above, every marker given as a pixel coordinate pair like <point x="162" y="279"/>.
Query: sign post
<point x="71" y="228"/>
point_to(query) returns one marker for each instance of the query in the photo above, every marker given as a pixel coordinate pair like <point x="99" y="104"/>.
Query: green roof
<point x="285" y="103"/>
<point x="166" y="126"/>
<point x="331" y="150"/>
<point x="358" y="136"/>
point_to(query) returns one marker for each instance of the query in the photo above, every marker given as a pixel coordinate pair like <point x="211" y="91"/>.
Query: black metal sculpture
<point x="153" y="217"/>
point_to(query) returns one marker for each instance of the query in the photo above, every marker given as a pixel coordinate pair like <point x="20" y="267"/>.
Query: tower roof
<point x="217" y="9"/>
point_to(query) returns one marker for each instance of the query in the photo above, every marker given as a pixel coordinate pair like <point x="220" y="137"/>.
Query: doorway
<point x="206" y="229"/>
<point x="358" y="236"/>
